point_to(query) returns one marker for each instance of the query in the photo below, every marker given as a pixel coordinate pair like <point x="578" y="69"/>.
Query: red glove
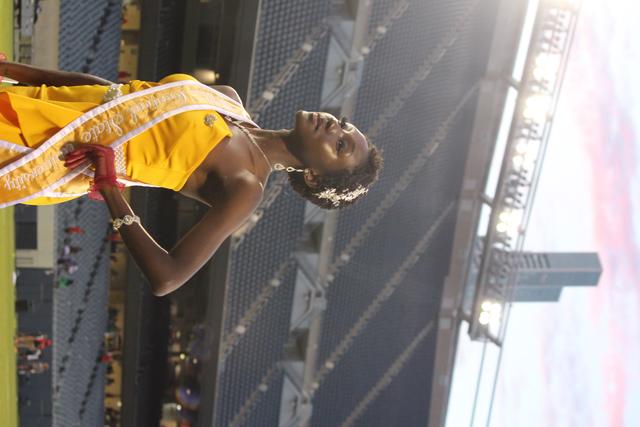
<point x="103" y="160"/>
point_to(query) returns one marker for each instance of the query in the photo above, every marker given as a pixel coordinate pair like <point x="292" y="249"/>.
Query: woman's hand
<point x="103" y="159"/>
<point x="6" y="70"/>
<point x="4" y="67"/>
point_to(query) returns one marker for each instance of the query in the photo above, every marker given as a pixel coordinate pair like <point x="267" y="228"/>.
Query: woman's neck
<point x="274" y="144"/>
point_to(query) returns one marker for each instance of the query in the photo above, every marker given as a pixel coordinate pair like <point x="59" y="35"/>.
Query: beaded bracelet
<point x="125" y="220"/>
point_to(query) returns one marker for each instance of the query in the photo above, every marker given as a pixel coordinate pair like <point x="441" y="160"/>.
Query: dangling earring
<point x="281" y="167"/>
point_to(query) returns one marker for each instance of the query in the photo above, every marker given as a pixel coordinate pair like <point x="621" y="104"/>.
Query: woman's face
<point x="326" y="145"/>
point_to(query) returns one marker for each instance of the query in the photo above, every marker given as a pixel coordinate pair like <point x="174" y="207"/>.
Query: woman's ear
<point x="311" y="178"/>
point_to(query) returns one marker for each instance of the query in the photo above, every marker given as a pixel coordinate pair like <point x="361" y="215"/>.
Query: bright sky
<point x="577" y="362"/>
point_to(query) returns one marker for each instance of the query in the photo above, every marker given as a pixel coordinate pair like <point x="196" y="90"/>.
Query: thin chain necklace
<point x="253" y="140"/>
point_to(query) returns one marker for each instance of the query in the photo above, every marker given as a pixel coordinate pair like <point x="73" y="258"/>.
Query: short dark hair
<point x="363" y="176"/>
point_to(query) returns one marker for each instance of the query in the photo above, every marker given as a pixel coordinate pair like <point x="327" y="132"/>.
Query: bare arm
<point x="36" y="76"/>
<point x="167" y="271"/>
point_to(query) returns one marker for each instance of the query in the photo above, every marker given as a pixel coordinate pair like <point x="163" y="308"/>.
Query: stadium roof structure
<point x="516" y="107"/>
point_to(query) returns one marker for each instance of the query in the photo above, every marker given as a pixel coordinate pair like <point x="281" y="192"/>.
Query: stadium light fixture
<point x="484" y="318"/>
<point x="546" y="67"/>
<point x="544" y="47"/>
<point x="490" y="313"/>
<point x="537" y="108"/>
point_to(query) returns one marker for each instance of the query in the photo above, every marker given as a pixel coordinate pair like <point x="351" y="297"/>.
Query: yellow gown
<point x="165" y="155"/>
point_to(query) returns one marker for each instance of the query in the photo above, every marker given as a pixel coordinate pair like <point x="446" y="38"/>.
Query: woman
<point x="176" y="134"/>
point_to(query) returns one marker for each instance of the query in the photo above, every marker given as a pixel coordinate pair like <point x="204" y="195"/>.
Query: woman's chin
<point x="300" y="115"/>
<point x="300" y="120"/>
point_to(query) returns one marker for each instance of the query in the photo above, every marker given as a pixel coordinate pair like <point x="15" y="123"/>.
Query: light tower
<point x="541" y="276"/>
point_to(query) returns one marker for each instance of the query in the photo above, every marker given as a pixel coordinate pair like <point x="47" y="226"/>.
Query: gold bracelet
<point x="125" y="220"/>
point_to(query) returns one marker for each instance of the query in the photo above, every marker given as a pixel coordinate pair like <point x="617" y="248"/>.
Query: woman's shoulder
<point x="247" y="182"/>
<point x="241" y="188"/>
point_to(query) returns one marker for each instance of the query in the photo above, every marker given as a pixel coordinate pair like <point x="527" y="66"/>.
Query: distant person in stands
<point x="33" y="342"/>
<point x="32" y="368"/>
<point x="109" y="357"/>
<point x="31" y="356"/>
<point x="177" y="134"/>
